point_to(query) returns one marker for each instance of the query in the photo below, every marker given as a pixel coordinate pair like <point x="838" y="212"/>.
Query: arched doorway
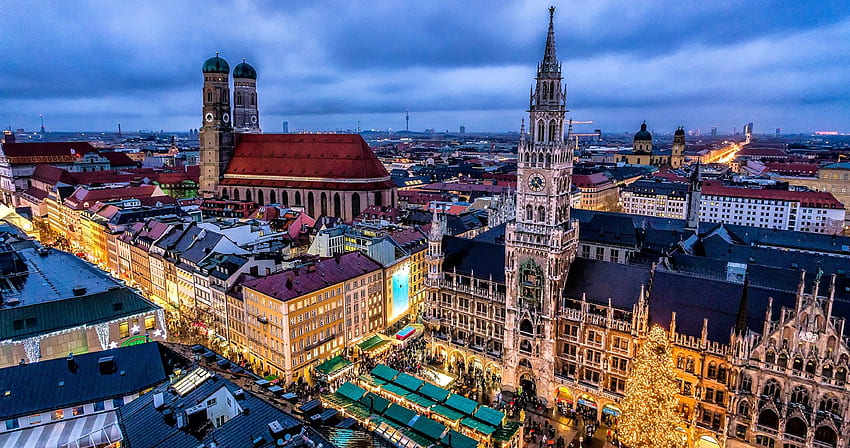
<point x="707" y="441"/>
<point x="527" y="386"/>
<point x="611" y="414"/>
<point x="586" y="405"/>
<point x="564" y="400"/>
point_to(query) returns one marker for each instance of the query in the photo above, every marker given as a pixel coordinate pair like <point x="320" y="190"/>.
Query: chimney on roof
<point x="72" y="363"/>
<point x="106" y="365"/>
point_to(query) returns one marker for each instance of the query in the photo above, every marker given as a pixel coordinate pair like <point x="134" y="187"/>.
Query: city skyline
<point x="332" y="66"/>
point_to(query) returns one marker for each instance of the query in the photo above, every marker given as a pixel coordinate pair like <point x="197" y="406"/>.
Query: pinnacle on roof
<point x="550" y="57"/>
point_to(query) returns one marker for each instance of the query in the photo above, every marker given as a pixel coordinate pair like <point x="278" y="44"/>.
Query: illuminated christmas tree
<point x="649" y="416"/>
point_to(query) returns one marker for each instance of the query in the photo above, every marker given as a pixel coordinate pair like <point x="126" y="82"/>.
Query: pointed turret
<point x="550" y="55"/>
<point x="741" y="321"/>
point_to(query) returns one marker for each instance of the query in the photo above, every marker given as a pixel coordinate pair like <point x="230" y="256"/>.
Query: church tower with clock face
<point x="541" y="242"/>
<point x="216" y="134"/>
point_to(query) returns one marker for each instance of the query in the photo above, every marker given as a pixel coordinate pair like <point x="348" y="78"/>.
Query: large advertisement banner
<point x="401" y="293"/>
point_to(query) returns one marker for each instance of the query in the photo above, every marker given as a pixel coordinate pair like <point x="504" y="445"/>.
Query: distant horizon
<point x="331" y="65"/>
<point x="436" y="131"/>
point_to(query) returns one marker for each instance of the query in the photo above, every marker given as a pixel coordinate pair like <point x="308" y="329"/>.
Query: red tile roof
<point x="806" y="198"/>
<point x="118" y="159"/>
<point x="810" y="169"/>
<point x="316" y="161"/>
<point x="293" y="283"/>
<point x="52" y="175"/>
<point x="590" y="180"/>
<point x="46" y="149"/>
<point x="84" y="198"/>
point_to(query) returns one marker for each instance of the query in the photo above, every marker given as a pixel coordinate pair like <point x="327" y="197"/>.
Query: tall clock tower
<point x="541" y="242"/>
<point x="216" y="134"/>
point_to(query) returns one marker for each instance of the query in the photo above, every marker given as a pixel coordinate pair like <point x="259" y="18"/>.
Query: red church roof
<point x="315" y="161"/>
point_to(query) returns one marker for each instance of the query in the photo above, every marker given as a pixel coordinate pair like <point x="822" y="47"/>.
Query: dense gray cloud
<point x="327" y="65"/>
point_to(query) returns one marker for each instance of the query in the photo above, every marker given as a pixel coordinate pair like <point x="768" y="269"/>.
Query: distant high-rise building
<point x="778" y="132"/>
<point x="748" y="132"/>
<point x="286" y="127"/>
<point x="462" y="129"/>
<point x="714" y="131"/>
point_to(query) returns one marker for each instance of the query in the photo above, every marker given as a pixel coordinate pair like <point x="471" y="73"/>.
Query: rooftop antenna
<point x="42" y="122"/>
<point x="407" y="120"/>
<point x="358" y="126"/>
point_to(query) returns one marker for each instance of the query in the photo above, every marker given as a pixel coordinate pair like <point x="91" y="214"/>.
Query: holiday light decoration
<point x="102" y="331"/>
<point x="649" y="418"/>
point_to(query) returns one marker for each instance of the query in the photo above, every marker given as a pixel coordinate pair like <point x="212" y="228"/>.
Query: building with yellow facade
<point x="297" y="318"/>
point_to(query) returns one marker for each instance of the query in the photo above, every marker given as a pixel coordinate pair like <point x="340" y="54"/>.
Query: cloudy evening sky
<point x="323" y="65"/>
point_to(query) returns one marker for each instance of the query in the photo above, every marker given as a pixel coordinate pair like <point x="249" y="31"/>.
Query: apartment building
<point x="299" y="317"/>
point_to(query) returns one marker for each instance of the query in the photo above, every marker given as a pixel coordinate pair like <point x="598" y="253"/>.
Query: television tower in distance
<point x="42" y="123"/>
<point x="407" y="120"/>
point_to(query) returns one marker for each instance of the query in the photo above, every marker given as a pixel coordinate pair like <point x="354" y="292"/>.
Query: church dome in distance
<point x="216" y="65"/>
<point x="244" y="70"/>
<point x="643" y="134"/>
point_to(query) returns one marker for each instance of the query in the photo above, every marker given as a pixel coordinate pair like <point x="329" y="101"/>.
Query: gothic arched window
<point x="529" y="213"/>
<point x="530" y="285"/>
<point x="248" y="195"/>
<point x="272" y="197"/>
<point x="260" y="197"/>
<point x="744" y="409"/>
<point x="235" y="194"/>
<point x="311" y="205"/>
<point x="526" y="327"/>
<point x="746" y="384"/>
<point x="541" y="214"/>
<point x="239" y="99"/>
<point x="209" y="96"/>
<point x="337" y="205"/>
<point x="541" y="130"/>
<point x="770" y="357"/>
<point x="829" y="403"/>
<point x="324" y="203"/>
<point x="800" y="396"/>
<point x="525" y="346"/>
<point x="772" y="388"/>
<point x="253" y="99"/>
<point x="552" y="129"/>
<point x="297" y="198"/>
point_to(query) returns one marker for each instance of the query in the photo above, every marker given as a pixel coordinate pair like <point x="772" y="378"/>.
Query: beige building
<point x="297" y="318"/>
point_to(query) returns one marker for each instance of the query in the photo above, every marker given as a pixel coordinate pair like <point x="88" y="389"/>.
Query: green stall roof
<point x="333" y="365"/>
<point x="507" y="431"/>
<point x="448" y="413"/>
<point x="461" y="403"/>
<point x="395" y="390"/>
<point x="351" y="391"/>
<point x="376" y="403"/>
<point x="408" y="382"/>
<point x="384" y="372"/>
<point x="399" y="414"/>
<point x="434" y="392"/>
<point x="428" y="428"/>
<point x="489" y="415"/>
<point x="478" y="425"/>
<point x="420" y="400"/>
<point x="454" y="439"/>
